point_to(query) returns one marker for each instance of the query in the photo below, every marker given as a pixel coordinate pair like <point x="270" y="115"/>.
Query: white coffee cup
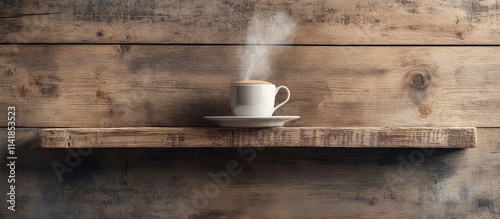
<point x="255" y="98"/>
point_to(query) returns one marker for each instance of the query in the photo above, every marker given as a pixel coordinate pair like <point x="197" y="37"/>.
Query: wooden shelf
<point x="148" y="137"/>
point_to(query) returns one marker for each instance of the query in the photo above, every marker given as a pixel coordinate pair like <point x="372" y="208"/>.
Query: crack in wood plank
<point x="28" y="15"/>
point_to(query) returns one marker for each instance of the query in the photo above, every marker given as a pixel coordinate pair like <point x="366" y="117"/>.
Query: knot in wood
<point x="419" y="80"/>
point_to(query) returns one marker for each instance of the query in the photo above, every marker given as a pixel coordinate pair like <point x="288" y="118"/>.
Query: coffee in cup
<point x="255" y="98"/>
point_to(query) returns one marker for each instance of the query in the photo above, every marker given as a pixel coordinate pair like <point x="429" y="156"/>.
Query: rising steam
<point x="277" y="29"/>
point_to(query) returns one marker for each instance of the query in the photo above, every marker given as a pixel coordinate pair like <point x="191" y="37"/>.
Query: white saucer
<point x="251" y="121"/>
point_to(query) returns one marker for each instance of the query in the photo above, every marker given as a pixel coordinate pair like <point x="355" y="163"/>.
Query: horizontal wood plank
<point x="135" y="86"/>
<point x="274" y="137"/>
<point x="273" y="182"/>
<point x="222" y="22"/>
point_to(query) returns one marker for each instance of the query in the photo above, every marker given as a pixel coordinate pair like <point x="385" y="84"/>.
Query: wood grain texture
<point x="222" y="22"/>
<point x="273" y="182"/>
<point x="136" y="86"/>
<point x="274" y="137"/>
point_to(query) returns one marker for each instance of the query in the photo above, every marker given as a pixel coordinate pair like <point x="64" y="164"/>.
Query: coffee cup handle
<point x="287" y="98"/>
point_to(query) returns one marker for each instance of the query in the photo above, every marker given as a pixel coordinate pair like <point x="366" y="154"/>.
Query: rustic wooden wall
<point x="374" y="63"/>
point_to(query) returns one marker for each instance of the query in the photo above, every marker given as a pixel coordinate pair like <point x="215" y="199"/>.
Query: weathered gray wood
<point x="123" y="86"/>
<point x="273" y="183"/>
<point x="201" y="21"/>
<point x="277" y="137"/>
